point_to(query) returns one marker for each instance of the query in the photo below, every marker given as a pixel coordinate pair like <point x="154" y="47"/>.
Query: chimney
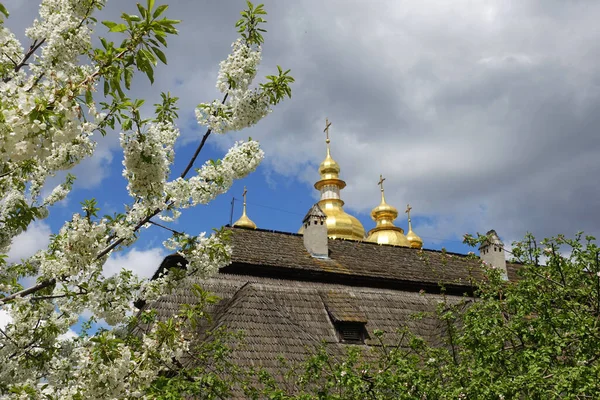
<point x="492" y="252"/>
<point x="315" y="232"/>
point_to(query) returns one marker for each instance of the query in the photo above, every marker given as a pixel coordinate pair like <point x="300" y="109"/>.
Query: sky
<point x="480" y="114"/>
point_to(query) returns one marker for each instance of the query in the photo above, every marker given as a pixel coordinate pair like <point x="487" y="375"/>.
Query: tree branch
<point x="200" y="146"/>
<point x="166" y="227"/>
<point x="25" y="292"/>
<point x="32" y="49"/>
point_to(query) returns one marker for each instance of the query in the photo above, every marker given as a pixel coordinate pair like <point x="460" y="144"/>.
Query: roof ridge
<point x="233" y="228"/>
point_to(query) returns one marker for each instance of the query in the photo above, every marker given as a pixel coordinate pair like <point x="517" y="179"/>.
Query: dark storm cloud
<point x="480" y="114"/>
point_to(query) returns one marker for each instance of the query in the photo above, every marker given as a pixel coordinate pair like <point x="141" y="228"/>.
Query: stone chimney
<point x="492" y="252"/>
<point x="315" y="232"/>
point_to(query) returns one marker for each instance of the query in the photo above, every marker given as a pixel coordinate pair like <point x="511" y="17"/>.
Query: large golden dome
<point x="385" y="232"/>
<point x="339" y="223"/>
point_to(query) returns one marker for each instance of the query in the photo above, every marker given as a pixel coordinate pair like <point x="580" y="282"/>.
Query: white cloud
<point x="92" y="171"/>
<point x="142" y="262"/>
<point x="70" y="334"/>
<point x="35" y="238"/>
<point x="5" y="318"/>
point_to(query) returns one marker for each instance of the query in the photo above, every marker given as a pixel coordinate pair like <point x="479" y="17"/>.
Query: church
<point x="330" y="282"/>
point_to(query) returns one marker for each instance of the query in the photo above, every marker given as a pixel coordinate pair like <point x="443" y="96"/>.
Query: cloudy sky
<point x="481" y="114"/>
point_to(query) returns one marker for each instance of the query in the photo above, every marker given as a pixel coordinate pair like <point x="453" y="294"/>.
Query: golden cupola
<point x="385" y="232"/>
<point x="415" y="241"/>
<point x="244" y="221"/>
<point x="339" y="223"/>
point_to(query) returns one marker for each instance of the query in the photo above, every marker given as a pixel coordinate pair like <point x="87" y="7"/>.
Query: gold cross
<point x="244" y="194"/>
<point x="380" y="183"/>
<point x="408" y="208"/>
<point x="326" y="130"/>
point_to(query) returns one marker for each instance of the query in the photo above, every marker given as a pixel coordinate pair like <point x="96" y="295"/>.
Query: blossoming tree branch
<point x="56" y="93"/>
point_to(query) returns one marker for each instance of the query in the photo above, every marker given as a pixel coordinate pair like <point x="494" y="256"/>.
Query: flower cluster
<point x="10" y="202"/>
<point x="11" y="52"/>
<point x="215" y="178"/>
<point x="147" y="159"/>
<point x="245" y="106"/>
<point x="63" y="25"/>
<point x="239" y="69"/>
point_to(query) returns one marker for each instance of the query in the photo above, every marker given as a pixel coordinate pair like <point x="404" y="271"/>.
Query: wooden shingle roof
<point x="287" y="303"/>
<point x="364" y="263"/>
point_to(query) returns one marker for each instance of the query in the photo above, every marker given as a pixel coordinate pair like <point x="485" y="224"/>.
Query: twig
<point x="25" y="292"/>
<point x="5" y="174"/>
<point x="165" y="227"/>
<point x="200" y="146"/>
<point x="32" y="49"/>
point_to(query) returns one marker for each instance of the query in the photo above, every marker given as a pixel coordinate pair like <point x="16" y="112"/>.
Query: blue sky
<point x="480" y="115"/>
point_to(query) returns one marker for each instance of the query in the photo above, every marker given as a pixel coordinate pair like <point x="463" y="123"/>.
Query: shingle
<point x="342" y="306"/>
<point x="292" y="317"/>
<point x="285" y="251"/>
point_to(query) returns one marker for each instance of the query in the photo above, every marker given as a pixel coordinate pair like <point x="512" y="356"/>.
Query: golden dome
<point x="339" y="223"/>
<point x="329" y="168"/>
<point x="415" y="241"/>
<point x="385" y="232"/>
<point x="244" y="221"/>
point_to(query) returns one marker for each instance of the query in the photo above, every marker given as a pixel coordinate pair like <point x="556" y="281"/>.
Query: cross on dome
<point x="326" y="130"/>
<point x="380" y="183"/>
<point x="244" y="221"/>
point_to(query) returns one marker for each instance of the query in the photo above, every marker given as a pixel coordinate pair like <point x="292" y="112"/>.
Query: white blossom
<point x="147" y="160"/>
<point x="47" y="125"/>
<point x="239" y="69"/>
<point x="216" y="178"/>
<point x="244" y="106"/>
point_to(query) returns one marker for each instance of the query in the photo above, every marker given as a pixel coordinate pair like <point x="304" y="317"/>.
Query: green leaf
<point x="118" y="28"/>
<point x="131" y="17"/>
<point x="149" y="56"/>
<point x="142" y="10"/>
<point x="109" y="25"/>
<point x="159" y="11"/>
<point x="159" y="54"/>
<point x="88" y="97"/>
<point x="150" y="5"/>
<point x="150" y="74"/>
<point x="128" y="77"/>
<point x="3" y="10"/>
<point x="161" y="38"/>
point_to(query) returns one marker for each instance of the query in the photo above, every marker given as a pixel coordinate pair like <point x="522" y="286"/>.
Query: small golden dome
<point x="244" y="221"/>
<point x="385" y="232"/>
<point x="415" y="241"/>
<point x="339" y="223"/>
<point x="329" y="168"/>
<point x="393" y="235"/>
